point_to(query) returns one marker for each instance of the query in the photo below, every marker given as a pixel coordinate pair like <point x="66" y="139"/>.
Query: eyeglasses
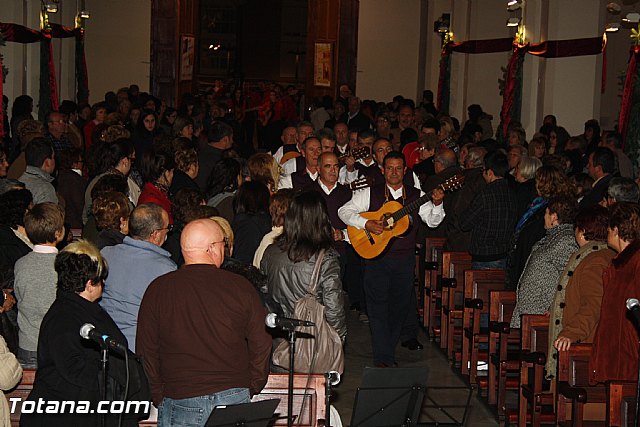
<point x="61" y="121"/>
<point x="169" y="228"/>
<point x="223" y="241"/>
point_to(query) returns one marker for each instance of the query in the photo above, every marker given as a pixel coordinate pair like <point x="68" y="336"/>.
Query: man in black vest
<point x="311" y="150"/>
<point x="388" y="279"/>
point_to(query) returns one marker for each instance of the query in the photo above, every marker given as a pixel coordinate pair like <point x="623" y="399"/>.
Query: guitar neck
<point x="410" y="207"/>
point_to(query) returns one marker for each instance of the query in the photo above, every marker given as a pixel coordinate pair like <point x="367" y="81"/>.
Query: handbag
<point x="318" y="348"/>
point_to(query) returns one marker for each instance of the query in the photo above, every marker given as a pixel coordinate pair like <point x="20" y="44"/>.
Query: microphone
<point x="273" y="321"/>
<point x="633" y="305"/>
<point x="89" y="332"/>
<point x="333" y="377"/>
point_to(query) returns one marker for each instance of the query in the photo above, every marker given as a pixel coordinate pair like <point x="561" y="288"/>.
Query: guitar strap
<point x="387" y="195"/>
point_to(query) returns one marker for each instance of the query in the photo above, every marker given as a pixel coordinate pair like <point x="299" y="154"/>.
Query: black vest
<point x="301" y="179"/>
<point x="338" y="197"/>
<point x="378" y="177"/>
<point x="406" y="244"/>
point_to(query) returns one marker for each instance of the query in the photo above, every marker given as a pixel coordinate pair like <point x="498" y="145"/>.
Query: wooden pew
<point x="454" y="265"/>
<point x="574" y="390"/>
<point x="434" y="247"/>
<point x="535" y="342"/>
<point x="621" y="403"/>
<point x="309" y="394"/>
<point x="501" y="361"/>
<point x="477" y="286"/>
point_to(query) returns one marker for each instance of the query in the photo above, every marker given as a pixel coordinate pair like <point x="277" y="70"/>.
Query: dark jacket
<point x="70" y="186"/>
<point x="11" y="250"/>
<point x="458" y="240"/>
<point x="597" y="193"/>
<point x="248" y="231"/>
<point x="289" y="281"/>
<point x="181" y="180"/>
<point x="521" y="244"/>
<point x="109" y="238"/>
<point x="69" y="366"/>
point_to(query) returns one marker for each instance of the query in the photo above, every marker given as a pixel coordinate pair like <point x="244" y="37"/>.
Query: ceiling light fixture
<point x="633" y="17"/>
<point x="51" y="7"/>
<point x="612" y="27"/>
<point x="84" y="14"/>
<point x="513" y="22"/>
<point x="514" y="5"/>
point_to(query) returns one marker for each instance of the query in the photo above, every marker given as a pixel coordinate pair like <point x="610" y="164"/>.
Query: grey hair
<point x="144" y="220"/>
<point x="624" y="190"/>
<point x="475" y="157"/>
<point x="528" y="167"/>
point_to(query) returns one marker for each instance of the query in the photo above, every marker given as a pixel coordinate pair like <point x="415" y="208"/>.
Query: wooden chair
<point x="309" y="395"/>
<point x="573" y="385"/>
<point x="454" y="265"/>
<point x="501" y="360"/>
<point x="434" y="246"/>
<point x="477" y="286"/>
<point x="621" y="403"/>
<point x="535" y="343"/>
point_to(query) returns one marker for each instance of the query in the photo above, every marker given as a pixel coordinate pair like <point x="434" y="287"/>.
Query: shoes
<point x="363" y="318"/>
<point x="412" y="344"/>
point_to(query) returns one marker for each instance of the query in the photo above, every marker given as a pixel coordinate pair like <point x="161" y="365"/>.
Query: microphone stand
<point x="104" y="350"/>
<point x="327" y="399"/>
<point x="292" y="350"/>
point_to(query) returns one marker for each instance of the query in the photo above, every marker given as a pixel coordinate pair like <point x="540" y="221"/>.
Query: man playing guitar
<point x="388" y="279"/>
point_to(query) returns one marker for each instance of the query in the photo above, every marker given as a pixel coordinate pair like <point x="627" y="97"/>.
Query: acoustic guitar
<point x="396" y="222"/>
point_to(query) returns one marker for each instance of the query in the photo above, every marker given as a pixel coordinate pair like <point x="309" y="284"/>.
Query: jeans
<point x="487" y="265"/>
<point x="195" y="411"/>
<point x="28" y="359"/>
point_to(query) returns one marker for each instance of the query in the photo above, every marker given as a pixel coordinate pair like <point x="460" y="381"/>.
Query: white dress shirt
<point x="286" y="182"/>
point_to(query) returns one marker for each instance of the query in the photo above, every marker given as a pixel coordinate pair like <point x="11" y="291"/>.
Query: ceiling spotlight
<point x="51" y="7"/>
<point x="612" y="27"/>
<point x="84" y="14"/>
<point x="633" y="17"/>
<point x="514" y="5"/>
<point x="513" y="22"/>
<point x="214" y="46"/>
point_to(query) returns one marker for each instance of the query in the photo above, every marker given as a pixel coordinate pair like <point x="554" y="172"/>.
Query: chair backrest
<point x="501" y="305"/>
<point x="21" y="391"/>
<point x="479" y="283"/>
<point x="573" y="365"/>
<point x="621" y="403"/>
<point x="535" y="333"/>
<point x="454" y="264"/>
<point x="434" y="246"/>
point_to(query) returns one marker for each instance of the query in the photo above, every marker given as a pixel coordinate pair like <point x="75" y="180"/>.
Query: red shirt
<point x="411" y="154"/>
<point x="152" y="194"/>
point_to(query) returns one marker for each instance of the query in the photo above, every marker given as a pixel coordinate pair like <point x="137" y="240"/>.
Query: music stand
<point x="254" y="414"/>
<point x="389" y="397"/>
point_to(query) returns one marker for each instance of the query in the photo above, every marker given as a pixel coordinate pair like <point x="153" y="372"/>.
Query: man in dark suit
<point x="357" y="120"/>
<point x="600" y="167"/>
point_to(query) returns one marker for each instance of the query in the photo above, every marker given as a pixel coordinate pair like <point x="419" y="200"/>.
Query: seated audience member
<point x="10" y="374"/>
<point x="185" y="172"/>
<point x="41" y="163"/>
<point x="111" y="212"/>
<point x="600" y="167"/>
<point x="583" y="183"/>
<point x="558" y="138"/>
<point x="4" y="165"/>
<point x="525" y="174"/>
<point x="157" y="166"/>
<point x="220" y="138"/>
<point x="108" y="182"/>
<point x="622" y="190"/>
<point x="264" y="168"/>
<point x="549" y="257"/>
<point x="221" y="341"/>
<point x="290" y="261"/>
<point x="515" y="154"/>
<point x="251" y="221"/>
<point x="27" y="131"/>
<point x="70" y="185"/>
<point x="278" y="207"/>
<point x="185" y="203"/>
<point x="424" y="165"/>
<point x="613" y="141"/>
<point x="227" y="233"/>
<point x="517" y="136"/>
<point x="575" y="310"/>
<point x="615" y="344"/>
<point x="225" y="179"/>
<point x="550" y="182"/>
<point x="35" y="276"/>
<point x="134" y="264"/>
<point x="68" y="365"/>
<point x="537" y="148"/>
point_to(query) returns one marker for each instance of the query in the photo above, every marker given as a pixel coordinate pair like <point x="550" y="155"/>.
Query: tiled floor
<point x="358" y="355"/>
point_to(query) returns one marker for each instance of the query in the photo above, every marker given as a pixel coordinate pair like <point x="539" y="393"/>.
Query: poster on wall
<point x="187" y="57"/>
<point x="322" y="65"/>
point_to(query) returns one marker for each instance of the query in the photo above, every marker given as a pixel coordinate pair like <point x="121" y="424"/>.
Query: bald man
<point x="201" y="332"/>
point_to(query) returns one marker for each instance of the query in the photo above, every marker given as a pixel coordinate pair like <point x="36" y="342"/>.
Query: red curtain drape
<point x="1" y="103"/>
<point x="627" y="93"/>
<point x="510" y="85"/>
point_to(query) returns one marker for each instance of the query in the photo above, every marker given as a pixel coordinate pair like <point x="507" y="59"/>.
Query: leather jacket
<point x="289" y="281"/>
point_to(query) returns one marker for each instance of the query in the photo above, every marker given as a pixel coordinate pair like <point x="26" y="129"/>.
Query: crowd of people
<point x="175" y="231"/>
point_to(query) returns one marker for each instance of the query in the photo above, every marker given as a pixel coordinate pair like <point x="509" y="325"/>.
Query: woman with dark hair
<point x="145" y="131"/>
<point x="186" y="171"/>
<point x="278" y="208"/>
<point x="575" y="310"/>
<point x="549" y="181"/>
<point x="251" y="220"/>
<point x="168" y="119"/>
<point x="224" y="181"/>
<point x="70" y="184"/>
<point x="185" y="204"/>
<point x="289" y="263"/>
<point x="558" y="138"/>
<point x="548" y="258"/>
<point x="68" y="365"/>
<point x="20" y="110"/>
<point x="157" y="167"/>
<point x="107" y="183"/>
<point x="98" y="116"/>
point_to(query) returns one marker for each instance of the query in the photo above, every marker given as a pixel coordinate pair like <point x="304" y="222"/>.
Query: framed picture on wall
<point x="187" y="56"/>
<point x="322" y="66"/>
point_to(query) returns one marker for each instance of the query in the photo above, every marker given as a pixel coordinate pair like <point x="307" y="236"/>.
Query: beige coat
<point x="10" y="374"/>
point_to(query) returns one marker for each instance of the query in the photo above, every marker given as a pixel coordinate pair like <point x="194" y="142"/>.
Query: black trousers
<point x="388" y="284"/>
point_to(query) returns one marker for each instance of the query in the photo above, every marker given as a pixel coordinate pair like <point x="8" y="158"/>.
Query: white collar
<point x="42" y="249"/>
<point x="325" y="188"/>
<point x="396" y="193"/>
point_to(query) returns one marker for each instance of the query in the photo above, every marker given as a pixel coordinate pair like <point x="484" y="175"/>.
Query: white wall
<point x="388" y="49"/>
<point x="118" y="43"/>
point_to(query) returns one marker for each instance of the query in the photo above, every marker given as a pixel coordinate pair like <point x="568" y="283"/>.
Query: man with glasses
<point x="219" y="354"/>
<point x="57" y="128"/>
<point x="135" y="263"/>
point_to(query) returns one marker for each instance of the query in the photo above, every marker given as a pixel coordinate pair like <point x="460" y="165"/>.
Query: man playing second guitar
<point x="388" y="279"/>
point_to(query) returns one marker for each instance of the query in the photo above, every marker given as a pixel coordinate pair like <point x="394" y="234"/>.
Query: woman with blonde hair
<point x="264" y="168"/>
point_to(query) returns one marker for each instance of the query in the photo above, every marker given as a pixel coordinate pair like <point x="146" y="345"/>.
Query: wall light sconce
<point x="84" y="14"/>
<point x="51" y="7"/>
<point x="632" y="17"/>
<point x="514" y="5"/>
<point x="612" y="27"/>
<point x="513" y="22"/>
